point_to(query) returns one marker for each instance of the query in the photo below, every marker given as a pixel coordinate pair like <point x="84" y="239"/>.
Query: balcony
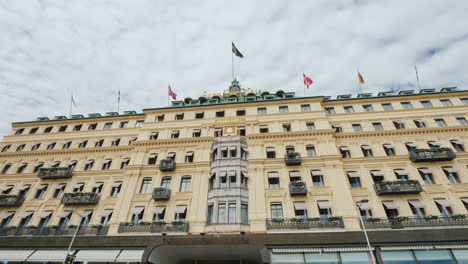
<point x="297" y="188"/>
<point x="402" y="222"/>
<point x="7" y="200"/>
<point x="55" y="173"/>
<point x="292" y="159"/>
<point x="79" y="198"/>
<point x="53" y="231"/>
<point x="432" y="154"/>
<point x="161" y="194"/>
<point x="397" y="187"/>
<point x="305" y="223"/>
<point x="167" y="165"/>
<point x="154" y="227"/>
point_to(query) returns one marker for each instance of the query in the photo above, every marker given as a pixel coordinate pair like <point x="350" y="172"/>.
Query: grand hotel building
<point x="243" y="177"/>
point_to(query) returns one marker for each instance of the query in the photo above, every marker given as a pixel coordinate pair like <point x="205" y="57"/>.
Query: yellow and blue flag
<point x="236" y="51"/>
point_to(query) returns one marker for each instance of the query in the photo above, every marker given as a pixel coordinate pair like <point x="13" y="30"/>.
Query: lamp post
<point x="358" y="205"/>
<point x="69" y="258"/>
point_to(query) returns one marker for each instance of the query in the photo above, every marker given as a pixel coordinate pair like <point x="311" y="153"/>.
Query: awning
<point x="97" y="255"/>
<point x="465" y="200"/>
<point x="6" y="215"/>
<point x="73" y="162"/>
<point x="294" y="174"/>
<point x="44" y="214"/>
<point x="60" y="186"/>
<point x="137" y="210"/>
<point x="366" y="147"/>
<point x="398" y="122"/>
<point x="42" y="186"/>
<point x="126" y="160"/>
<point x="25" y="214"/>
<point x="48" y="255"/>
<point x="232" y="173"/>
<point x="196" y="130"/>
<point x="64" y="214"/>
<point x="324" y="204"/>
<point x="232" y="148"/>
<point x="377" y="173"/>
<point x="180" y="209"/>
<point x="24" y="187"/>
<point x="222" y="174"/>
<point x="170" y="155"/>
<point x="224" y="148"/>
<point x="55" y="163"/>
<point x="434" y="143"/>
<point x="444" y="202"/>
<point x="86" y="213"/>
<point x="189" y="154"/>
<point x="132" y="139"/>
<point x="457" y="142"/>
<point x="175" y="132"/>
<point x="270" y="149"/>
<point x="425" y="170"/>
<point x="417" y="203"/>
<point x="130" y="256"/>
<point x="158" y="209"/>
<point x="344" y="148"/>
<point x="16" y="255"/>
<point x="81" y="141"/>
<point x="353" y="174"/>
<point x="106" y="212"/>
<point x="78" y="185"/>
<point x="365" y="206"/>
<point x="450" y="170"/>
<point x="316" y="173"/>
<point x="411" y="145"/>
<point x="244" y="174"/>
<point x="154" y="133"/>
<point x="116" y="184"/>
<point x="300" y="206"/>
<point x="152" y="155"/>
<point x="39" y="163"/>
<point x="273" y="174"/>
<point x="390" y="205"/>
<point x="419" y="120"/>
<point x="263" y="126"/>
<point x="89" y="161"/>
<point x="244" y="149"/>
<point x="6" y="188"/>
<point x="401" y="172"/>
<point x="97" y="184"/>
<point x="98" y="140"/>
<point x="106" y="161"/>
<point x="388" y="145"/>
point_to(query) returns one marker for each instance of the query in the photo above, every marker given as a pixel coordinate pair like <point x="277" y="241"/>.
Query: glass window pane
<point x="287" y="258"/>
<point x="396" y="257"/>
<point x="461" y="255"/>
<point x="322" y="258"/>
<point x="433" y="256"/>
<point x="354" y="258"/>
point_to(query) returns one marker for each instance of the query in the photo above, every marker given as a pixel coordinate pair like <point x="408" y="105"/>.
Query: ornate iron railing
<point x="154" y="227"/>
<point x="79" y="198"/>
<point x="167" y="165"/>
<point x="53" y="231"/>
<point x="292" y="159"/>
<point x="432" y="154"/>
<point x="304" y="223"/>
<point x="8" y="200"/>
<point x="161" y="194"/>
<point x="397" y="187"/>
<point x="55" y="173"/>
<point x="297" y="188"/>
<point x="409" y="222"/>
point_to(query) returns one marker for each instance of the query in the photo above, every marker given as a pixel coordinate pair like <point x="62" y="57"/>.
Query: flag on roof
<point x="236" y="51"/>
<point x="361" y="80"/>
<point x="307" y="81"/>
<point x="172" y="94"/>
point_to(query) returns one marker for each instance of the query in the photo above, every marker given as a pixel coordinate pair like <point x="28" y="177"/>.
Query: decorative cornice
<point x="172" y="141"/>
<point x="399" y="132"/>
<point x="66" y="151"/>
<point x="277" y="135"/>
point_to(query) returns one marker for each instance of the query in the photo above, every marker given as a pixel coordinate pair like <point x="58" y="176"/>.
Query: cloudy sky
<point x="92" y="48"/>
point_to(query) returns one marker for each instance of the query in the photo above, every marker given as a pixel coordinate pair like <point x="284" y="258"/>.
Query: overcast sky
<point x="93" y="48"/>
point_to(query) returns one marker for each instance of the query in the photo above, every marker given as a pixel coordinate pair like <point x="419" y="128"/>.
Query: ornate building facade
<point x="243" y="177"/>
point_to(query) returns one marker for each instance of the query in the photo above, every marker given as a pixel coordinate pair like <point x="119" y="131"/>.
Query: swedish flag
<point x="236" y="51"/>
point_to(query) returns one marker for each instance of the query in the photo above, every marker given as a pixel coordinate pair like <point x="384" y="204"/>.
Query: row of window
<point x="227" y="212"/>
<point x="390" y="106"/>
<point x="79" y="127"/>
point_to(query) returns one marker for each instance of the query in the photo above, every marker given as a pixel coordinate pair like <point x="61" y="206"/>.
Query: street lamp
<point x="69" y="258"/>
<point x="358" y="205"/>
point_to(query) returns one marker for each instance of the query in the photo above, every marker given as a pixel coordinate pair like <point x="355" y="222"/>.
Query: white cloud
<point x="93" y="48"/>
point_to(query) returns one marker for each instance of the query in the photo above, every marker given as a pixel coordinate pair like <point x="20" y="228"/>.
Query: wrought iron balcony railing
<point x="398" y="187"/>
<point x="292" y="158"/>
<point x="53" y="231"/>
<point x="161" y="194"/>
<point x="432" y="154"/>
<point x="167" y="165"/>
<point x="79" y="198"/>
<point x="8" y="200"/>
<point x="155" y="227"/>
<point x="55" y="173"/>
<point x="305" y="223"/>
<point x="297" y="188"/>
<point x="409" y="222"/>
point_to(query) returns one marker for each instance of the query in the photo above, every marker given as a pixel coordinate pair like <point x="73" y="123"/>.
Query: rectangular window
<point x="377" y="126"/>
<point x="152" y="158"/>
<point x="286" y="127"/>
<point x="262" y="111"/>
<point x="83" y="144"/>
<point x="345" y="153"/>
<point x="220" y="113"/>
<point x="348" y="109"/>
<point x="20" y="147"/>
<point x="446" y="102"/>
<point x="357" y="127"/>
<point x="154" y="135"/>
<point x="116" y="186"/>
<point x="271" y="154"/>
<point x="166" y="182"/>
<point x="123" y="124"/>
<point x="107" y="125"/>
<point x="185" y="184"/>
<point x="457" y="145"/>
<point x="273" y="180"/>
<point x="276" y="210"/>
<point x="283" y="109"/>
<point x="399" y="124"/>
<point x="419" y="123"/>
<point x="41" y="190"/>
<point x="317" y="178"/>
<point x="368" y="108"/>
<point x="389" y="149"/>
<point x="305" y="108"/>
<point x="199" y="115"/>
<point x="221" y="212"/>
<point x="6" y="148"/>
<point x="452" y="174"/>
<point x="33" y="130"/>
<point x="159" y="118"/>
<point x="240" y="112"/>
<point x="196" y="133"/>
<point x="179" y="116"/>
<point x="387" y="107"/>
<point x="462" y="121"/>
<point x="62" y="128"/>
<point x="92" y="126"/>
<point x="210" y="219"/>
<point x="244" y="213"/>
<point x="464" y="101"/>
<point x="426" y="104"/>
<point x="310" y="126"/>
<point x="426" y="175"/>
<point x="407" y="105"/>
<point x="441" y="122"/>
<point x="48" y="129"/>
<point x="19" y="131"/>
<point x="310" y="151"/>
<point x="175" y="134"/>
<point x="139" y="123"/>
<point x="232" y="212"/>
<point x="146" y="185"/>
<point x="354" y="180"/>
<point x="338" y="128"/>
<point x="263" y="128"/>
<point x="115" y="142"/>
<point x="366" y="151"/>
<point x="99" y="143"/>
<point x="330" y="110"/>
<point x="300" y="209"/>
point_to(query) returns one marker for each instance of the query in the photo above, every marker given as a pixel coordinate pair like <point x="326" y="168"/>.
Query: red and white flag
<point x="172" y="94"/>
<point x="307" y="81"/>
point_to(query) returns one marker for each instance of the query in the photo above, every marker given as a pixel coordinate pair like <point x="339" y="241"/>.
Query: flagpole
<point x="71" y="100"/>
<point x="232" y="61"/>
<point x="417" y="77"/>
<point x="118" y="103"/>
<point x="303" y="81"/>
<point x="359" y="81"/>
